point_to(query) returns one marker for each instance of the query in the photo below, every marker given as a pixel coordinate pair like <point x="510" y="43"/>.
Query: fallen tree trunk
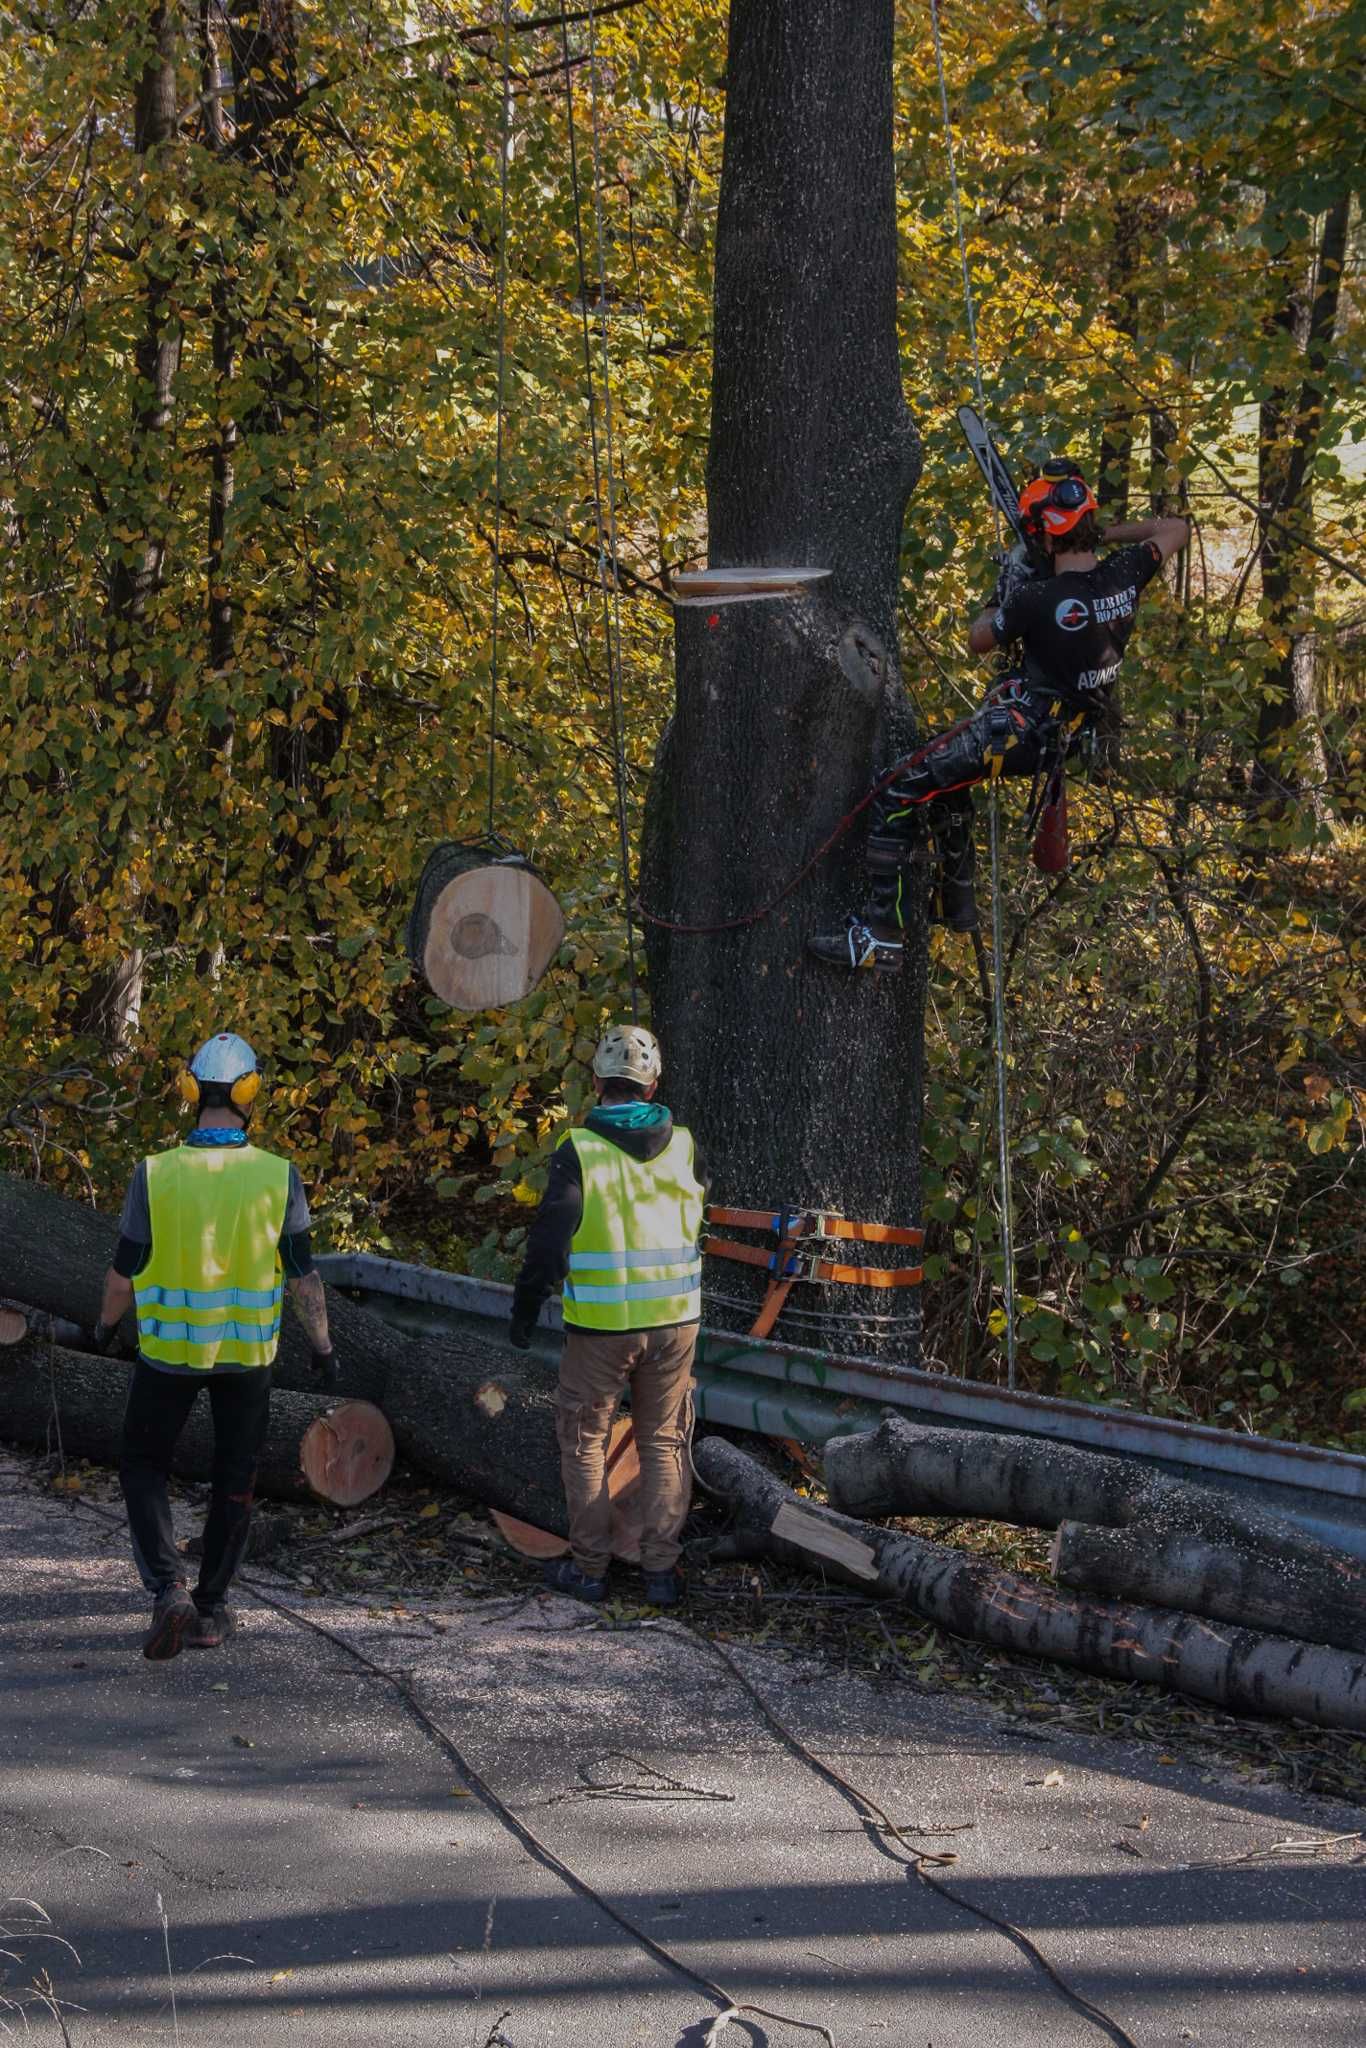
<point x="1238" y="1669"/>
<point x="54" y="1254"/>
<point x="55" y="1399"/>
<point x="476" y="1415"/>
<point x="1179" y="1569"/>
<point x="1201" y="1550"/>
<point x="482" y="1418"/>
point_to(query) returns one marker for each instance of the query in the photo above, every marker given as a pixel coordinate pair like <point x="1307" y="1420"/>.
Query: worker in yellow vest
<point x="618" y="1229"/>
<point x="209" y="1234"/>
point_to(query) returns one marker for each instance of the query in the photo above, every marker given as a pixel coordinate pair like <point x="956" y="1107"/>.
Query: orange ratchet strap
<point x="787" y="1265"/>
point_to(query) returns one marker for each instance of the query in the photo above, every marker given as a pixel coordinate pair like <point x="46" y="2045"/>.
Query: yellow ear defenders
<point x="241" y="1095"/>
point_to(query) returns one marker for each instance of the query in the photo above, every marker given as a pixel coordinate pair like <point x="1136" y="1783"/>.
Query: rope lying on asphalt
<point x="920" y="1860"/>
<point x="731" y="2008"/>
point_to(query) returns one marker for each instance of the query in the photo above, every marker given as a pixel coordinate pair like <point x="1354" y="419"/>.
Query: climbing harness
<point x="790" y="1257"/>
<point x="998" y="1008"/>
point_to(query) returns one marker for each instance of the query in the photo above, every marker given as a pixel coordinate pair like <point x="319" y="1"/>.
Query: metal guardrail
<point x="785" y="1390"/>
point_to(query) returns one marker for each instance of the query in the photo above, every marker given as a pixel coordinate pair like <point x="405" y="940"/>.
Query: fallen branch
<point x="1237" y="1669"/>
<point x="1203" y="1551"/>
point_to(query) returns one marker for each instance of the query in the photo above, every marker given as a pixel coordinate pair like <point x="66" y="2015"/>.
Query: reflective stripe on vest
<point x="211" y="1293"/>
<point x="634" y="1262"/>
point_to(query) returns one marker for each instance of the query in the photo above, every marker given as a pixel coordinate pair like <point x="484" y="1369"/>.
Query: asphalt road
<point x="274" y="1819"/>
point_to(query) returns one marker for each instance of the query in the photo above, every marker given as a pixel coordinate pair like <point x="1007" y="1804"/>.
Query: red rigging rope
<point x="850" y="818"/>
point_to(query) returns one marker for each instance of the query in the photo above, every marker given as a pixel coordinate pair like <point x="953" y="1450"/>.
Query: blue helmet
<point x="225" y="1061"/>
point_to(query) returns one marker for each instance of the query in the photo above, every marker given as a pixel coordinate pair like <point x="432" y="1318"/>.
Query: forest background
<point x="248" y="377"/>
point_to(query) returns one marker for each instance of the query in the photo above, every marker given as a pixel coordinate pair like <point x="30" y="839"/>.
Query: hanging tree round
<point x="484" y="926"/>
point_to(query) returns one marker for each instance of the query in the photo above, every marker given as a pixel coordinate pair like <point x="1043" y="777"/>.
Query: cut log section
<point x="1201" y="1550"/>
<point x="1239" y="1669"/>
<point x="740" y="586"/>
<point x="484" y="927"/>
<point x="67" y="1402"/>
<point x="347" y="1454"/>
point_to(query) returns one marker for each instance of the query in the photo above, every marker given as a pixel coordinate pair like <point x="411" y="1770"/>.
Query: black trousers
<point x="159" y="1405"/>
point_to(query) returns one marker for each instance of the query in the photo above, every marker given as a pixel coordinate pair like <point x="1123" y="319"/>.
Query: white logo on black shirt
<point x="1072" y="615"/>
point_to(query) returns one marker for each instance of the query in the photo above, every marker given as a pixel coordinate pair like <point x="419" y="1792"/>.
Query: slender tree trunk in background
<point x="136" y="569"/>
<point x="1291" y="428"/>
<point x="1117" y="444"/>
<point x="802" y="1083"/>
<point x="226" y="342"/>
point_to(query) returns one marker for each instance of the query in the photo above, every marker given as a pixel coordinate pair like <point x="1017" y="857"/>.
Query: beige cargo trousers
<point x="596" y="1367"/>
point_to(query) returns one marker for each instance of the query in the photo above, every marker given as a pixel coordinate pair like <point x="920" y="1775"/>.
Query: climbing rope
<point x="998" y="1010"/>
<point x="504" y="148"/>
<point x="606" y="524"/>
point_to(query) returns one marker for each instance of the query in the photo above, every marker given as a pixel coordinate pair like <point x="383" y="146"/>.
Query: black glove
<point x="102" y="1338"/>
<point x="519" y="1333"/>
<point x="324" y="1364"/>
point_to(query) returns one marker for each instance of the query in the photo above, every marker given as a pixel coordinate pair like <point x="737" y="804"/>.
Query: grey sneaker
<point x="172" y="1614"/>
<point x="211" y="1627"/>
<point x="662" y="1589"/>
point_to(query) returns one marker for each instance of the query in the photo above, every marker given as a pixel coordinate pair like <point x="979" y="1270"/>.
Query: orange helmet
<point x="1055" y="501"/>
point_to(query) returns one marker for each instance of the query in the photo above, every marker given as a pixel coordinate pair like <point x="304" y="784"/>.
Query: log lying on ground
<point x="89" y="1394"/>
<point x="1238" y="1669"/>
<point x="54" y="1254"/>
<point x="482" y="1418"/>
<point x="1201" y="1550"/>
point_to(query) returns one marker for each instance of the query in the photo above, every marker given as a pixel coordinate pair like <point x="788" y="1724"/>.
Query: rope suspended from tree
<point x="505" y="145"/>
<point x="998" y="1009"/>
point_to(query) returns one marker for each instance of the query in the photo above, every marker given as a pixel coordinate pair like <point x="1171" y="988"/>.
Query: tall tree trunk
<point x="1116" y="445"/>
<point x="1290" y="431"/>
<point x="137" y="568"/>
<point x="803" y="1083"/>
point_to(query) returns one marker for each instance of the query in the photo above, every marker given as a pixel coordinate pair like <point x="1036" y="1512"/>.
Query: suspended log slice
<point x="347" y="1454"/>
<point x="484" y="927"/>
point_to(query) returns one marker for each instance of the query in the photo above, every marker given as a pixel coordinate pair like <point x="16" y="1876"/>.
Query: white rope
<point x="998" y="1008"/>
<point x="505" y="143"/>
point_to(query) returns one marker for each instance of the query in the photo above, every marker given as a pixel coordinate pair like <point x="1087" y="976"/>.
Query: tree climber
<point x="618" y="1225"/>
<point x="209" y="1232"/>
<point x="1072" y="615"/>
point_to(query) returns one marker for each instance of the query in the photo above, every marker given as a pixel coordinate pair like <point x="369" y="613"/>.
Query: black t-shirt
<point x="1076" y="626"/>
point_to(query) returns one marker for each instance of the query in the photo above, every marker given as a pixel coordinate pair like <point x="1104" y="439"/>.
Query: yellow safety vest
<point x="211" y="1293"/>
<point x="633" y="1261"/>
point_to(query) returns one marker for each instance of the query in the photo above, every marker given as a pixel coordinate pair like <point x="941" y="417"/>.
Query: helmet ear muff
<point x="243" y="1093"/>
<point x="188" y="1086"/>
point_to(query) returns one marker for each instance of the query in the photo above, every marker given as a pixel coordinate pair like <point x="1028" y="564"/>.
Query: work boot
<point x="564" y="1576"/>
<point x="662" y="1589"/>
<point x="210" y="1628"/>
<point x="172" y="1614"/>
<point x="859" y="945"/>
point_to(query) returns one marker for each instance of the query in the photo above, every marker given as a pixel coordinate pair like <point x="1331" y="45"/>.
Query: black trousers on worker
<point x="159" y="1405"/>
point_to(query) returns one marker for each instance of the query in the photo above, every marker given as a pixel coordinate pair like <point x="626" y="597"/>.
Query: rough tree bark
<point x="1202" y="1550"/>
<point x="1236" y="1668"/>
<point x="803" y="1084"/>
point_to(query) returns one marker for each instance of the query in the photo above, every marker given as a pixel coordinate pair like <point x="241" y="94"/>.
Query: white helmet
<point x="226" y="1061"/>
<point x="628" y="1053"/>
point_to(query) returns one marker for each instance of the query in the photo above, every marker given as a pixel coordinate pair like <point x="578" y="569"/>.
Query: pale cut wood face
<point x="494" y="930"/>
<point x="347" y="1454"/>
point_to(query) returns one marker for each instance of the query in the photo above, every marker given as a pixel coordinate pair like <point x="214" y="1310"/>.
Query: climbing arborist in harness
<point x="618" y="1228"/>
<point x="1071" y="614"/>
<point x="210" y="1232"/>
